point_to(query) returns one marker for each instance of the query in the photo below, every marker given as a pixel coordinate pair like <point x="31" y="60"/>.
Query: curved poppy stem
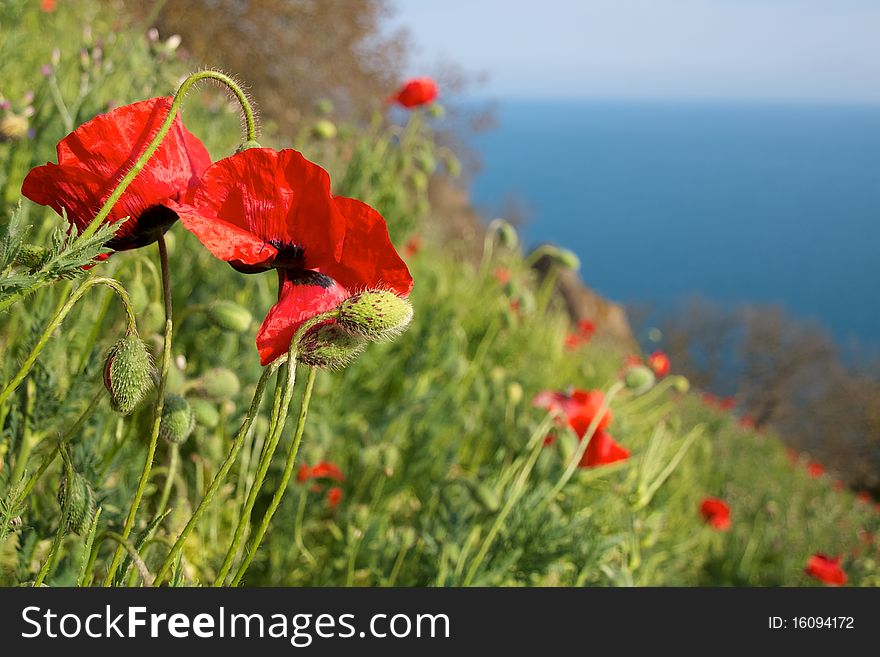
<point x="157" y="412"/>
<point x="250" y="133"/>
<point x="113" y="284"/>
<point x="276" y="427"/>
<point x="285" y="479"/>
<point x="220" y="477"/>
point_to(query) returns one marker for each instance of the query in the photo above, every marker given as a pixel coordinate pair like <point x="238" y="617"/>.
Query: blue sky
<point x="781" y="50"/>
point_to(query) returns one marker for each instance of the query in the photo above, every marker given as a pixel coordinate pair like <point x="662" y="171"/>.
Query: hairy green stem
<point x="113" y="284"/>
<point x="219" y="478"/>
<point x="157" y="413"/>
<point x="285" y="479"/>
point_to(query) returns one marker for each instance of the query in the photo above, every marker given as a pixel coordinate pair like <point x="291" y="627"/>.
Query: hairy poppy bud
<point x="177" y="419"/>
<point x="220" y="383"/>
<point x="230" y="316"/>
<point x="375" y="314"/>
<point x="507" y="235"/>
<point x="639" y="378"/>
<point x="13" y="127"/>
<point x="437" y="111"/>
<point x="128" y="374"/>
<point x="205" y="413"/>
<point x="324" y="129"/>
<point x="328" y="346"/>
<point x="680" y="383"/>
<point x="31" y="256"/>
<point x="77" y="501"/>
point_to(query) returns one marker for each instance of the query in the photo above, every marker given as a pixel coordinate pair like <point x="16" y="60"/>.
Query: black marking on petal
<point x="309" y="277"/>
<point x="144" y="229"/>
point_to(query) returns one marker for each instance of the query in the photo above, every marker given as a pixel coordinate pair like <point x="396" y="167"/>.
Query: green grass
<point x="446" y="478"/>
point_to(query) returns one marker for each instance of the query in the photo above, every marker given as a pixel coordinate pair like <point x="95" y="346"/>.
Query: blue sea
<point x="736" y="203"/>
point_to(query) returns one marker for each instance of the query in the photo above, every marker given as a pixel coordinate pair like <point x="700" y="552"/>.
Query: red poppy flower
<point x="582" y="334"/>
<point x="826" y="569"/>
<point x="747" y="422"/>
<point x="334" y="497"/>
<point x="502" y="275"/>
<point x="815" y="469"/>
<point x="262" y="209"/>
<point x="631" y="361"/>
<point x="864" y="497"/>
<point x="578" y="408"/>
<point x="415" y="92"/>
<point x="95" y="156"/>
<point x="602" y="450"/>
<point x="659" y="362"/>
<point x="47" y="6"/>
<point x="726" y="403"/>
<point x="323" y="470"/>
<point x="792" y="455"/>
<point x="716" y="513"/>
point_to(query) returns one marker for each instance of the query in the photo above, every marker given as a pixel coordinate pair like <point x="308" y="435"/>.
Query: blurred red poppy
<point x="578" y="409"/>
<point x="726" y="403"/>
<point x="264" y="209"/>
<point x="47" y="6"/>
<point x="716" y="513"/>
<point x="412" y="246"/>
<point x="747" y="422"/>
<point x="95" y="156"/>
<point x="602" y="450"/>
<point x="864" y="497"/>
<point x="582" y="334"/>
<point x="815" y="469"/>
<point x="323" y="470"/>
<point x="502" y="275"/>
<point x="334" y="497"/>
<point x="416" y="92"/>
<point x="826" y="569"/>
<point x="659" y="362"/>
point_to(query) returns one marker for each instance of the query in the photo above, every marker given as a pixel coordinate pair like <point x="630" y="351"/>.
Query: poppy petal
<point x="299" y="299"/>
<point x="95" y="156"/>
<point x="369" y="259"/>
<point x="278" y="196"/>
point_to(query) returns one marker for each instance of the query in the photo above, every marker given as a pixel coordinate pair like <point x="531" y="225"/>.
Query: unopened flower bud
<point x="679" y="383"/>
<point x="324" y="129"/>
<point x="77" y="501"/>
<point x="230" y="316"/>
<point x="419" y="180"/>
<point x="128" y="374"/>
<point x="375" y="314"/>
<point x="453" y="165"/>
<point x="426" y="161"/>
<point x="13" y="127"/>
<point x="328" y="346"/>
<point x="437" y="111"/>
<point x="177" y="419"/>
<point x="220" y="383"/>
<point x="507" y="235"/>
<point x="205" y="412"/>
<point x="639" y="378"/>
<point x="31" y="256"/>
<point x="514" y="393"/>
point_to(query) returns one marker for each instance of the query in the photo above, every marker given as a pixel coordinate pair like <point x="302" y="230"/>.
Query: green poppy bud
<point x="220" y="383"/>
<point x="77" y="501"/>
<point x="328" y="346"/>
<point x="177" y="419"/>
<point x="128" y="374"/>
<point x="514" y="393"/>
<point x="639" y="378"/>
<point x="230" y="316"/>
<point x="375" y="314"/>
<point x="205" y="413"/>
<point x="13" y="127"/>
<point x="507" y="235"/>
<point x="426" y="161"/>
<point x="419" y="180"/>
<point x="679" y="383"/>
<point x="324" y="129"/>
<point x="31" y="256"/>
<point x="453" y="165"/>
<point x="436" y="111"/>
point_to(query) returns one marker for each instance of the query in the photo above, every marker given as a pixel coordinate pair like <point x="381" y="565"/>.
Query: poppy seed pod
<point x="177" y="419"/>
<point x="324" y="129"/>
<point x="220" y="383"/>
<point x="639" y="378"/>
<point x="13" y="127"/>
<point x="77" y="501"/>
<point x="375" y="314"/>
<point x="328" y="346"/>
<point x="128" y="374"/>
<point x="205" y="413"/>
<point x="230" y="316"/>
